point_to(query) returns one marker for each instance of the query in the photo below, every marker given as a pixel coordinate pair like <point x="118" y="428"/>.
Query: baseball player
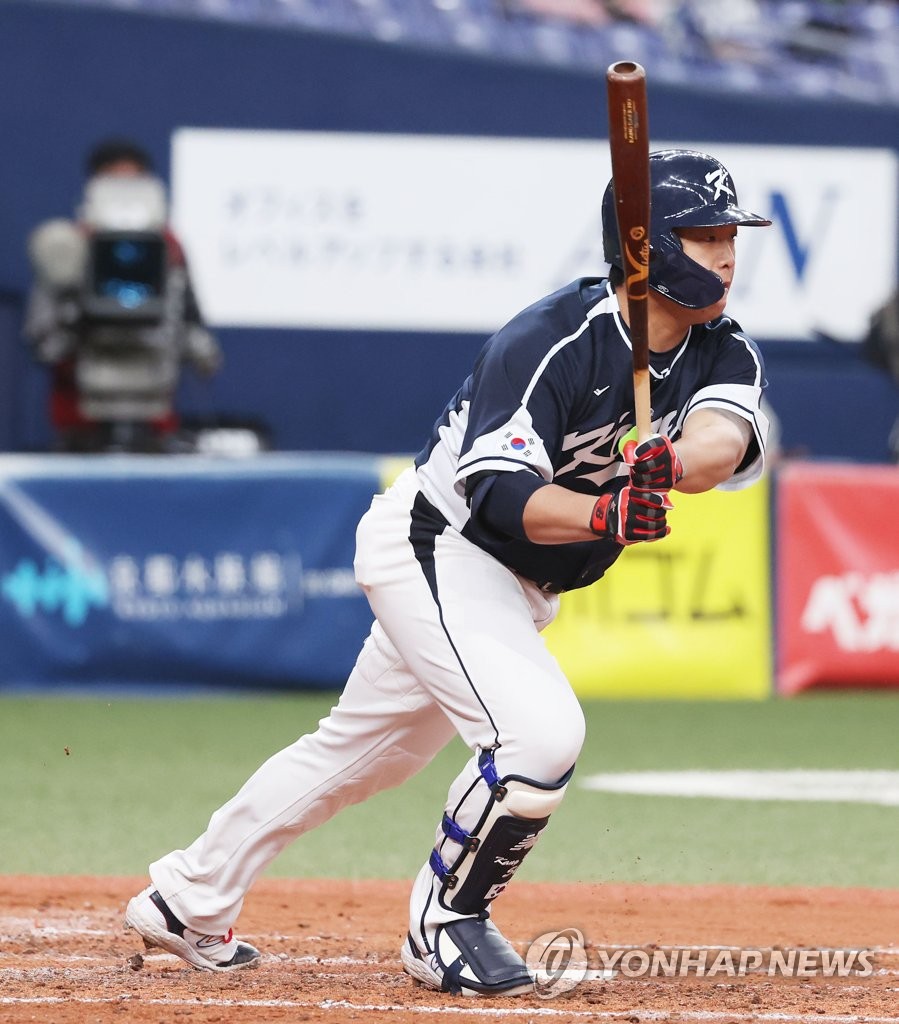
<point x="521" y="493"/>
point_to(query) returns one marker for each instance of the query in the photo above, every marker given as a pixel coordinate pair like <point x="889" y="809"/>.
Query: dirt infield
<point x="331" y="954"/>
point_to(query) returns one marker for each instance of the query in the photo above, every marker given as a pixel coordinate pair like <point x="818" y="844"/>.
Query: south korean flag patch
<point x="519" y="445"/>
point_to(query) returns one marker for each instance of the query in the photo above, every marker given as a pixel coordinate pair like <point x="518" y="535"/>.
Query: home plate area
<point x="330" y="953"/>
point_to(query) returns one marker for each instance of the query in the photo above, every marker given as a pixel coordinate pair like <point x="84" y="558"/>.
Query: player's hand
<point x="655" y="465"/>
<point x="631" y="516"/>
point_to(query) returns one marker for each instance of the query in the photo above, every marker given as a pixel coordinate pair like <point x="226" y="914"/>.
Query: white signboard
<point x="445" y="233"/>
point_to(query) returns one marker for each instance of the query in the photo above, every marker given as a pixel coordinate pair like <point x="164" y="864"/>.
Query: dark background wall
<point x="71" y="75"/>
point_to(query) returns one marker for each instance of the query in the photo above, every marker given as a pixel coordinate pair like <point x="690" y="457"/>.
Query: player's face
<point x="715" y="249"/>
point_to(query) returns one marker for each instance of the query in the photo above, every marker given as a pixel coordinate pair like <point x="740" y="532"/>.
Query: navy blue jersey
<point x="551" y="393"/>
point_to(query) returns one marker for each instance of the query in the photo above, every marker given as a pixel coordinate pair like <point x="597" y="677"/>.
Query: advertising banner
<point x="366" y="231"/>
<point x="685" y="617"/>
<point x="131" y="569"/>
<point x="837" y="576"/>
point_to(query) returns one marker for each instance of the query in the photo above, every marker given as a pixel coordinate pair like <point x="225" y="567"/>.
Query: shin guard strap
<point x="454" y="831"/>
<point x="441" y="870"/>
<point x="490" y="775"/>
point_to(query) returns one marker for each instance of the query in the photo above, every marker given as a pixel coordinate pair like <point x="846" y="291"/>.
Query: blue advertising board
<point x="181" y="570"/>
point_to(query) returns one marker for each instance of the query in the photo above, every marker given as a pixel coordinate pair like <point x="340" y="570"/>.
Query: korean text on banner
<point x="837" y="577"/>
<point x="685" y="617"/>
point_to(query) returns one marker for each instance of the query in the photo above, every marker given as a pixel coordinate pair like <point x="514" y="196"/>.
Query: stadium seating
<point x="833" y="50"/>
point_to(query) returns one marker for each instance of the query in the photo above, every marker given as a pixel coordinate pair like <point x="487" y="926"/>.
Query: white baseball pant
<point x="461" y="653"/>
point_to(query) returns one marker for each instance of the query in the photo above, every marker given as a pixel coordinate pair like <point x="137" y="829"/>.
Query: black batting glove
<point x="655" y="465"/>
<point x="631" y="516"/>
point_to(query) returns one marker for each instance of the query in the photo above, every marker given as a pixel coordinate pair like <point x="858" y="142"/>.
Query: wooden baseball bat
<point x="629" y="146"/>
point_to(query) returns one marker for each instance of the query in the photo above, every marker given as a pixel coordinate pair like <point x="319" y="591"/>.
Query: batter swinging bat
<point x="629" y="145"/>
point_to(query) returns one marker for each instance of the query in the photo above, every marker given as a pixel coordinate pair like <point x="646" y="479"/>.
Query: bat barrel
<point x="629" y="149"/>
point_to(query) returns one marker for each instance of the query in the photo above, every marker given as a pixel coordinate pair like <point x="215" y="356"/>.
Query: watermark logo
<point x="734" y="963"/>
<point x="559" y="961"/>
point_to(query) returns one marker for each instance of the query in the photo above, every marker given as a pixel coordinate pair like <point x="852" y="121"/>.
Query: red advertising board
<point x="837" y="576"/>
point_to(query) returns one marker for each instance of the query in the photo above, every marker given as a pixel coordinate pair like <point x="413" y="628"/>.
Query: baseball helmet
<point x="687" y="190"/>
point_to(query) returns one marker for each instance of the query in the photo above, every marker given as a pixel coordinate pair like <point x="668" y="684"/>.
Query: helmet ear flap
<point x="611" y="244"/>
<point x="673" y="274"/>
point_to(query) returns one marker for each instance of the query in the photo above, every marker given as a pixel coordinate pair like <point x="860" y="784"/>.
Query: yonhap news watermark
<point x="559" y="961"/>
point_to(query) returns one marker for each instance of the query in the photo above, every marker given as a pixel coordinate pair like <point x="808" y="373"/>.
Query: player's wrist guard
<point x="631" y="516"/>
<point x="655" y="465"/>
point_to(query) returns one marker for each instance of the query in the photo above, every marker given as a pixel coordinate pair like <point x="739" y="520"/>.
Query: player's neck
<point x="668" y="324"/>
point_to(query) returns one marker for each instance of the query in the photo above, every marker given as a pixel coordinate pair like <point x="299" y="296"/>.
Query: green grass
<point x="142" y="776"/>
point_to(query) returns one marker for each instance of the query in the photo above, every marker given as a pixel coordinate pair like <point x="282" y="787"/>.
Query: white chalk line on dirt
<point x="25" y="928"/>
<point x="282" y="959"/>
<point x="89" y="974"/>
<point x="274" y="959"/>
<point x="686" y="1016"/>
<point x="267" y="958"/>
<point x="644" y="1014"/>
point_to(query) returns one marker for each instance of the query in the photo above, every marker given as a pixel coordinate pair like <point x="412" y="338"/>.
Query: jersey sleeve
<point x="735" y="386"/>
<point x="521" y="394"/>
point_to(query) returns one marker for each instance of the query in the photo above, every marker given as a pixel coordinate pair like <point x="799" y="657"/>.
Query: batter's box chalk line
<point x="339" y="1005"/>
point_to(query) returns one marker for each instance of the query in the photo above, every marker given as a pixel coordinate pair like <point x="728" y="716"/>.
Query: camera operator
<point x="112" y="310"/>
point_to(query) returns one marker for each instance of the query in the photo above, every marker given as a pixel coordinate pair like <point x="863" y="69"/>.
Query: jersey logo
<point x="719" y="180"/>
<point x="601" y="391"/>
<point x="594" y="448"/>
<point x="594" y="454"/>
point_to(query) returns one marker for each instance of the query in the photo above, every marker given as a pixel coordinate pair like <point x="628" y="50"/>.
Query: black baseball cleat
<point x="471" y="958"/>
<point x="149" y="915"/>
